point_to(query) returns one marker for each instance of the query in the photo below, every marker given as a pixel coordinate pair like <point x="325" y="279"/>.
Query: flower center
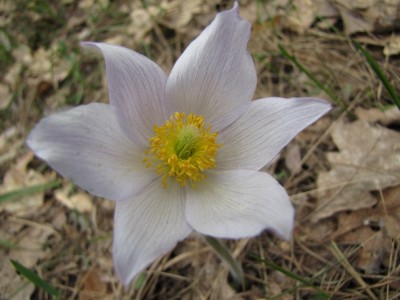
<point x="182" y="148"/>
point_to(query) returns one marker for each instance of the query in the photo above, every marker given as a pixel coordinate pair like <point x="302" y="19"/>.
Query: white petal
<point x="264" y="129"/>
<point x="238" y="204"/>
<point x="87" y="145"/>
<point x="136" y="86"/>
<point x="148" y="226"/>
<point x="215" y="76"/>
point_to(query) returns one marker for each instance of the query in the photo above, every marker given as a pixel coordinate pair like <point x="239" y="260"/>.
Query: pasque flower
<point x="180" y="153"/>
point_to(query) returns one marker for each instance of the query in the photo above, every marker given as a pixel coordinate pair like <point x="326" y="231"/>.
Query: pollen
<point x="183" y="148"/>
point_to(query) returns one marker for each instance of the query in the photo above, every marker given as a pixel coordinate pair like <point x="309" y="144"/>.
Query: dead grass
<point x="72" y="250"/>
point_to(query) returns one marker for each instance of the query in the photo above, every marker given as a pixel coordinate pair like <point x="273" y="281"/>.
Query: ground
<point x="341" y="172"/>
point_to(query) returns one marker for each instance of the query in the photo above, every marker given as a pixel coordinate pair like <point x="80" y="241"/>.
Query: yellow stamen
<point x="182" y="149"/>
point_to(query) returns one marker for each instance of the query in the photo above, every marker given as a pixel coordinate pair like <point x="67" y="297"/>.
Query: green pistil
<point x="186" y="142"/>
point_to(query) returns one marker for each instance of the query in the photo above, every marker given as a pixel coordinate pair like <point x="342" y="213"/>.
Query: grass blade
<point x="374" y="65"/>
<point x="8" y="244"/>
<point x="29" y="190"/>
<point x="321" y="294"/>
<point x="328" y="91"/>
<point x="36" y="280"/>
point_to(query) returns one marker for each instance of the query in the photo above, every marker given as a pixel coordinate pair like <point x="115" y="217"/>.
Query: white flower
<point x="183" y="152"/>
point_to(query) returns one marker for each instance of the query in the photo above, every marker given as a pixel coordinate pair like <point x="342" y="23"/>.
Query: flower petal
<point x="215" y="76"/>
<point x="147" y="227"/>
<point x="137" y="87"/>
<point x="264" y="129"/>
<point x="238" y="204"/>
<point x="87" y="145"/>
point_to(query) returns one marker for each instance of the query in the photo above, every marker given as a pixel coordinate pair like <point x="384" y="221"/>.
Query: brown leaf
<point x="10" y="144"/>
<point x="367" y="160"/>
<point x="5" y="96"/>
<point x="93" y="287"/>
<point x="393" y="46"/>
<point x="368" y="15"/>
<point x="179" y="13"/>
<point x="385" y="214"/>
<point x="80" y="201"/>
<point x="19" y="177"/>
<point x="299" y="15"/>
<point x="26" y="240"/>
<point x="30" y="241"/>
<point x="386" y="117"/>
<point x="293" y="158"/>
<point x="10" y="283"/>
<point x="372" y="227"/>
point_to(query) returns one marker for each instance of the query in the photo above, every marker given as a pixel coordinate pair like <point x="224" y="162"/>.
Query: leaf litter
<point x="342" y="172"/>
<point x="368" y="160"/>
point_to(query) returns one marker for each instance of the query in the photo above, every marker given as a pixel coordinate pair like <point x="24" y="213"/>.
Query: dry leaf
<point x="302" y="16"/>
<point x="368" y="159"/>
<point x="249" y="10"/>
<point x="142" y="21"/>
<point x="10" y="144"/>
<point x="93" y="287"/>
<point x="293" y="158"/>
<point x="179" y="13"/>
<point x="368" y="15"/>
<point x="19" y="177"/>
<point x="10" y="282"/>
<point x="393" y="46"/>
<point x="5" y="96"/>
<point x="373" y="248"/>
<point x="390" y="44"/>
<point x="27" y="239"/>
<point x="80" y="201"/>
<point x="30" y="241"/>
<point x="299" y="15"/>
<point x="371" y="228"/>
<point x="47" y="66"/>
<point x="22" y="54"/>
<point x="386" y="214"/>
<point x="373" y="115"/>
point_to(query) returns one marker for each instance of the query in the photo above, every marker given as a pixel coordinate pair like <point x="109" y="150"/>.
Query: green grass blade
<point x="374" y="65"/>
<point x="8" y="244"/>
<point x="140" y="281"/>
<point x="36" y="280"/>
<point x="29" y="190"/>
<point x="327" y="90"/>
<point x="321" y="294"/>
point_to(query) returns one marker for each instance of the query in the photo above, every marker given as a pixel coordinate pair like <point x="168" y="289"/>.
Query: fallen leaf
<point x="92" y="285"/>
<point x="19" y="177"/>
<point x="30" y="241"/>
<point x="393" y="46"/>
<point x="372" y="115"/>
<point x="179" y="13"/>
<point x="5" y="96"/>
<point x="386" y="214"/>
<point x="10" y="283"/>
<point x="373" y="248"/>
<point x="299" y="15"/>
<point x="368" y="160"/>
<point x="80" y="201"/>
<point x="293" y="158"/>
<point x="26" y="241"/>
<point x="10" y="144"/>
<point x="22" y="54"/>
<point x="368" y="15"/>
<point x="142" y="22"/>
<point x="48" y="66"/>
<point x="371" y="228"/>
